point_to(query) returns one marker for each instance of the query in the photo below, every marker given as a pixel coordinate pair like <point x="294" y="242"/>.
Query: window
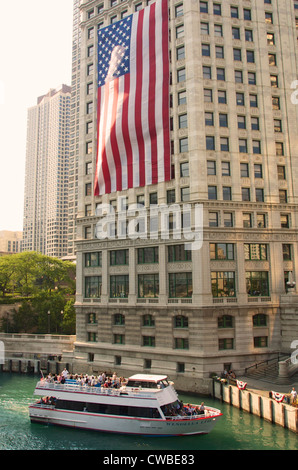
<point x="287" y="252"/>
<point x="148" y="255"/>
<point x="119" y="286"/>
<point x="208" y="97"/>
<point x="185" y="194"/>
<point x="270" y="39"/>
<point x="212" y="192"/>
<point x="210" y="142"/>
<point x="225" y="169"/>
<point x="235" y="33"/>
<point x="178" y="253"/>
<point x="182" y="120"/>
<point x="118" y="319"/>
<point x="221" y="251"/>
<point x="261" y="220"/>
<point x="209" y="120"/>
<point x="93" y="287"/>
<point x="279" y="148"/>
<point x="181" y="75"/>
<point x="226" y="343"/>
<point x="234" y="12"/>
<point x="171" y="196"/>
<point x="181" y="97"/>
<point x="220" y="74"/>
<point x="213" y="219"/>
<point x="284" y="221"/>
<point x="179" y="10"/>
<point x="251" y="76"/>
<point x="223" y="120"/>
<point x="223" y="284"/>
<point x="255" y="251"/>
<point x="259" y="195"/>
<point x="148" y="320"/>
<point x="119" y="257"/>
<point x="254" y="123"/>
<point x="205" y="28"/>
<point x="242" y="145"/>
<point x="149" y="341"/>
<point x="245" y="194"/>
<point x="253" y="101"/>
<point x="268" y="17"/>
<point x="244" y="172"/>
<point x="247" y="220"/>
<point x="180" y="53"/>
<point x="237" y="54"/>
<point x="181" y="343"/>
<point x="240" y="99"/>
<point x="211" y="167"/>
<point x="241" y="122"/>
<point x="207" y="72"/>
<point x="228" y="219"/>
<point x="260" y="341"/>
<point x="246" y="14"/>
<point x="91" y="319"/>
<point x="180" y="285"/>
<point x="88" y="188"/>
<point x="250" y="57"/>
<point x="226" y="321"/>
<point x="92" y="259"/>
<point x="274" y="81"/>
<point x="204" y="7"/>
<point x="180" y="321"/>
<point x="148" y="285"/>
<point x="119" y="339"/>
<point x="259" y="319"/>
<point x="180" y="31"/>
<point x="184" y="169"/>
<point x="248" y="35"/>
<point x="227" y="193"/>
<point x="183" y="145"/>
<point x="222" y="96"/>
<point x="281" y="172"/>
<point x="283" y="196"/>
<point x="256" y="146"/>
<point x="258" y="170"/>
<point x="257" y="283"/>
<point x="206" y="50"/>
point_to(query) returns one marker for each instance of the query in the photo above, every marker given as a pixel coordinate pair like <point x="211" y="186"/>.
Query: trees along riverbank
<point x="44" y="289"/>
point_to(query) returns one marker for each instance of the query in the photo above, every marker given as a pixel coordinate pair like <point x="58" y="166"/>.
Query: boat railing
<point x="74" y="387"/>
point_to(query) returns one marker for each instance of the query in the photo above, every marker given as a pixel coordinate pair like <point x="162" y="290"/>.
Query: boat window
<point x="120" y="410"/>
<point x="139" y="383"/>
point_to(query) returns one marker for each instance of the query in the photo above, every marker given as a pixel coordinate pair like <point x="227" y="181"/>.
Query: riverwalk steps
<point x="257" y="399"/>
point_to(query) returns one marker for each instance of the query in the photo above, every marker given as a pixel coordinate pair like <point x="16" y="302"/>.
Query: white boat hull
<point x="123" y="425"/>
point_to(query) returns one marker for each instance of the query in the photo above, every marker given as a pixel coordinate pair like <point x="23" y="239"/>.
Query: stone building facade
<point x="149" y="304"/>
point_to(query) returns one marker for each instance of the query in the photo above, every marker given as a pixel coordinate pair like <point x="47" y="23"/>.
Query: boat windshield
<point x="147" y="384"/>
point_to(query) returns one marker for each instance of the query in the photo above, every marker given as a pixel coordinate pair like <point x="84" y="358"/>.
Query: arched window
<point x="226" y="321"/>
<point x="180" y="321"/>
<point x="260" y="319"/>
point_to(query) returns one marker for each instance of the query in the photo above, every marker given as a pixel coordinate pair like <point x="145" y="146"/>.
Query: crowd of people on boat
<point x="102" y="380"/>
<point x="178" y="409"/>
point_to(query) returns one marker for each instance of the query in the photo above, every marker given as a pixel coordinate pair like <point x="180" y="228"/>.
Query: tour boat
<point x="145" y="405"/>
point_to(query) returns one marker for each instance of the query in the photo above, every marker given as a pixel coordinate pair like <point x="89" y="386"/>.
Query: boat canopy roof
<point x="148" y="378"/>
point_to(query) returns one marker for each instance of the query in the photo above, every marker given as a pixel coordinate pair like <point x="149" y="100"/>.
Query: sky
<point x="35" y="55"/>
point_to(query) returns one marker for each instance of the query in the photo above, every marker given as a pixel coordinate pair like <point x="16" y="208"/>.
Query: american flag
<point x="133" y="138"/>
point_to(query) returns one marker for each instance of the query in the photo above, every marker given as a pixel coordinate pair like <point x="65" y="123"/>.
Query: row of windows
<point x="181" y="321"/>
<point x="223" y="284"/>
<point x="180" y="343"/>
<point x="176" y="253"/>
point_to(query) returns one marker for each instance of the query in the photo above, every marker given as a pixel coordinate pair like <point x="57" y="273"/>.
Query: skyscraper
<point x="151" y="303"/>
<point x="46" y="174"/>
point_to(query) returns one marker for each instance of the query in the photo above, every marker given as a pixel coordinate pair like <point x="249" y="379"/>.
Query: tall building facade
<point x="46" y="174"/>
<point x="150" y="304"/>
<point x="74" y="130"/>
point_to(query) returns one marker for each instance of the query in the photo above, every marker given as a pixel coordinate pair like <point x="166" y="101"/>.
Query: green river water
<point x="236" y="430"/>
